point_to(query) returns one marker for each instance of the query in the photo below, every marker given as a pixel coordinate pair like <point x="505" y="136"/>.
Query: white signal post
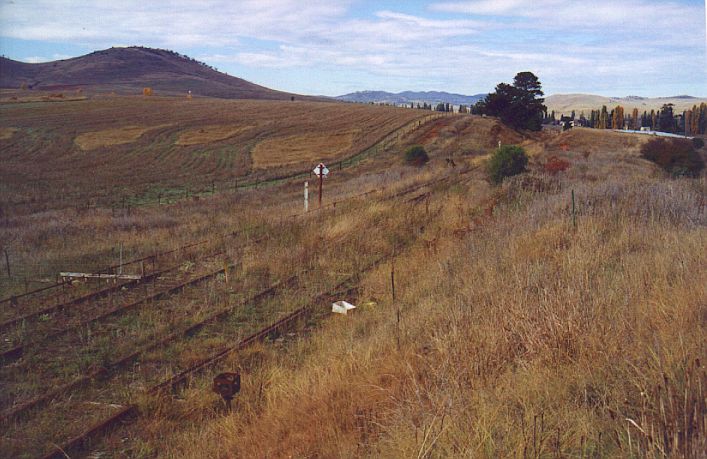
<point x="320" y="171"/>
<point x="306" y="196"/>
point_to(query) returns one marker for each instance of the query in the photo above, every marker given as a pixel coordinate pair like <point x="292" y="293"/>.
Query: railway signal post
<point x="320" y="171"/>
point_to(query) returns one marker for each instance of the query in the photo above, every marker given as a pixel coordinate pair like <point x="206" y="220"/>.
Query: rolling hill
<point x="565" y="103"/>
<point x="407" y="97"/>
<point x="128" y="70"/>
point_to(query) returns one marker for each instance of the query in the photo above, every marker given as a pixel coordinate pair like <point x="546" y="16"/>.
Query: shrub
<point x="698" y="143"/>
<point x="416" y="155"/>
<point x="508" y="160"/>
<point x="555" y="165"/>
<point x="676" y="156"/>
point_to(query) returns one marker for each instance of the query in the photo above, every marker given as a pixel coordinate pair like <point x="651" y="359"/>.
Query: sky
<point x="647" y="48"/>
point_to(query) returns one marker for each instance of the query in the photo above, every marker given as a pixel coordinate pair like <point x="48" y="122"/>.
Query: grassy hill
<point x="128" y="71"/>
<point x="106" y="149"/>
<point x="565" y="103"/>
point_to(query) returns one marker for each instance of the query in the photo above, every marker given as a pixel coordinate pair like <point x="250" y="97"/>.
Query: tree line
<point x="440" y="107"/>
<point x="690" y="122"/>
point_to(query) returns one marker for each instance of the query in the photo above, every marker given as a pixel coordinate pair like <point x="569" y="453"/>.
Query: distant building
<point x="566" y="123"/>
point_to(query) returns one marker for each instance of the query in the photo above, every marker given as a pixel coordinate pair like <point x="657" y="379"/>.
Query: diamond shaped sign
<point x="320" y="170"/>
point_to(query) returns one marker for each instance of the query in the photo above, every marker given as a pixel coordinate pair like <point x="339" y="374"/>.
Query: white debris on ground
<point x="342" y="307"/>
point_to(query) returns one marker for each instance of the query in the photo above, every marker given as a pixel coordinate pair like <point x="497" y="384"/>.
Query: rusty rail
<point x="89" y="296"/>
<point x="18" y="410"/>
<point x="80" y="442"/>
<point x="83" y="440"/>
<point x="16" y="352"/>
<point x="13" y="298"/>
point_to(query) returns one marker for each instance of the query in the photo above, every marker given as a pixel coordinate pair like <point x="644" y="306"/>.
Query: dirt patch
<point x="208" y="134"/>
<point x="301" y="148"/>
<point x="7" y="133"/>
<point x="109" y="137"/>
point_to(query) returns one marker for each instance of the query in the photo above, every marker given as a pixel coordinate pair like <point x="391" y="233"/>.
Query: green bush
<point x="676" y="156"/>
<point x="697" y="143"/>
<point x="508" y="160"/>
<point x="416" y="155"/>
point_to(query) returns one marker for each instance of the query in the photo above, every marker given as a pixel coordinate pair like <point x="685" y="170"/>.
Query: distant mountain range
<point x="407" y="97"/>
<point x="128" y="71"/>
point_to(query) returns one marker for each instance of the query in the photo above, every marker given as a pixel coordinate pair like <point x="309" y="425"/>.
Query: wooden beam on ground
<point x="67" y="275"/>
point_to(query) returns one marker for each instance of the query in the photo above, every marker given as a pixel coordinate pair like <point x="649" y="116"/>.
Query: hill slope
<point x="129" y="70"/>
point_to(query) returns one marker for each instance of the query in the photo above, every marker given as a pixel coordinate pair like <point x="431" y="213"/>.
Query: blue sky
<point x="613" y="48"/>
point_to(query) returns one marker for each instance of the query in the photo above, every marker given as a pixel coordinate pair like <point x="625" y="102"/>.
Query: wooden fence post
<point x="574" y="214"/>
<point x="7" y="264"/>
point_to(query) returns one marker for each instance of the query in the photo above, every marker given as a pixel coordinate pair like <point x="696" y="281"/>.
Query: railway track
<point x="20" y="409"/>
<point x="99" y="408"/>
<point x="96" y="307"/>
<point x="84" y="353"/>
<point x="63" y="294"/>
<point x="50" y="293"/>
<point x="108" y="390"/>
<point x="109" y="295"/>
<point x="116" y="364"/>
<point x="46" y="315"/>
<point x="37" y="296"/>
<point x="126" y="413"/>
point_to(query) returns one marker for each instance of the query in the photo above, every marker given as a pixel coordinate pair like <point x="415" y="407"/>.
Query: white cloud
<point x="649" y="17"/>
<point x="214" y="22"/>
<point x="38" y="59"/>
<point x="456" y="45"/>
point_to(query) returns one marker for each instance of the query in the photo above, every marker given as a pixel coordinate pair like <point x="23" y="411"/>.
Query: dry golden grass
<point x="210" y="133"/>
<point x="7" y="133"/>
<point x="596" y="140"/>
<point x="466" y="135"/>
<point x="109" y="137"/>
<point x="523" y="337"/>
<point x="300" y="148"/>
<point x="519" y="335"/>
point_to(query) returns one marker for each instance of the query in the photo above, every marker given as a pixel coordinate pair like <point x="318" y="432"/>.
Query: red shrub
<point x="554" y="165"/>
